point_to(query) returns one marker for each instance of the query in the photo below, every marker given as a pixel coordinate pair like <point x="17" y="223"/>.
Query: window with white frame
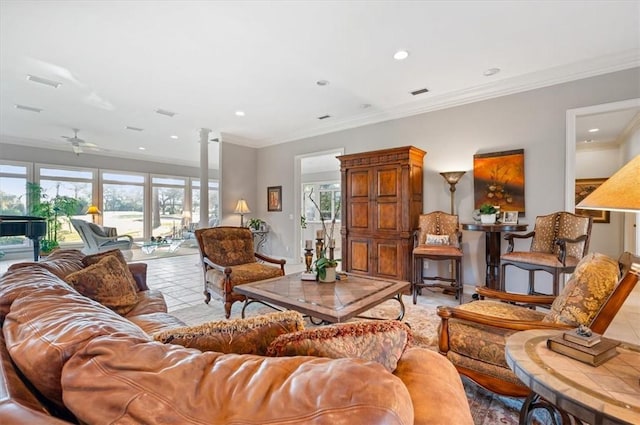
<point x="13" y="196"/>
<point x="123" y="202"/>
<point x="327" y="197"/>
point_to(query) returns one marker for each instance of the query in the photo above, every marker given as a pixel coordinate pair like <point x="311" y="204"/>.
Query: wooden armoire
<point x="381" y="203"/>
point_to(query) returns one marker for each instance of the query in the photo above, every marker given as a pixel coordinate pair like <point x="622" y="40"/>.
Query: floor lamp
<point x="242" y="208"/>
<point x="452" y="177"/>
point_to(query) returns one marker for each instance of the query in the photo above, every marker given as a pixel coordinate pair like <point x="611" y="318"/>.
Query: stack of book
<point x="593" y="350"/>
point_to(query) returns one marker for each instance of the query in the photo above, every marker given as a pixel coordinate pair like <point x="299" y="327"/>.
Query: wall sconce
<point x="452" y="177"/>
<point x="94" y="211"/>
<point x="242" y="208"/>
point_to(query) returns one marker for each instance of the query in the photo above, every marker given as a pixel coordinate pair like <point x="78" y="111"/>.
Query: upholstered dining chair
<point x="229" y="259"/>
<point x="558" y="242"/>
<point x="438" y="239"/>
<point x="100" y="239"/>
<point x="473" y="336"/>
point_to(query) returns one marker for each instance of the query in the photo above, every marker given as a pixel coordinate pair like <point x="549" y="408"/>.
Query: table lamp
<point x="94" y="211"/>
<point x="452" y="177"/>
<point x="242" y="208"/>
<point x="620" y="192"/>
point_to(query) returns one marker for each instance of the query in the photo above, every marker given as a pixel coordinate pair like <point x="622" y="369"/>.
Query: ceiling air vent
<point x="44" y="81"/>
<point x="419" y="91"/>
<point x="134" y="128"/>
<point x="165" y="112"/>
<point x="29" y="108"/>
<point x="324" y="117"/>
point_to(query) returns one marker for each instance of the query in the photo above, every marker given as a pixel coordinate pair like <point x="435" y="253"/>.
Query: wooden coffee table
<point x="331" y="302"/>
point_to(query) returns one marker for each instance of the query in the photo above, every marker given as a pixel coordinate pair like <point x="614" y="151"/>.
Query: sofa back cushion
<point x="48" y="322"/>
<point x="61" y="262"/>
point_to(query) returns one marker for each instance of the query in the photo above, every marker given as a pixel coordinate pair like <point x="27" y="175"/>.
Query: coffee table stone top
<point x="332" y="302"/>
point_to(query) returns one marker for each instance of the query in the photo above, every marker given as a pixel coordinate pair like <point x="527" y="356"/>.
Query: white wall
<point x="533" y="120"/>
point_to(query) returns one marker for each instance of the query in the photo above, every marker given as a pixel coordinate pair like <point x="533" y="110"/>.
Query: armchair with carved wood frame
<point x="229" y="259"/>
<point x="558" y="242"/>
<point x="473" y="336"/>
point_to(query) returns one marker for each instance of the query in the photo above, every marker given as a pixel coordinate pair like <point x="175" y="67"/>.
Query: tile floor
<point x="181" y="281"/>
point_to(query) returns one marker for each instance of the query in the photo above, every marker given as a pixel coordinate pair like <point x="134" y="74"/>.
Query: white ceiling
<point x="120" y="61"/>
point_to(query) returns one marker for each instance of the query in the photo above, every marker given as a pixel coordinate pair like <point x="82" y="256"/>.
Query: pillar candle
<point x="332" y="243"/>
<point x="308" y="244"/>
<point x="320" y="234"/>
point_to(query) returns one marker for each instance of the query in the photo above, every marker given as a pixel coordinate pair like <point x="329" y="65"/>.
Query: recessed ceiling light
<point x="44" y="81"/>
<point x="491" y="71"/>
<point x="401" y="55"/>
<point x="134" y="128"/>
<point x="165" y="112"/>
<point x="322" y="83"/>
<point x="142" y="148"/>
<point x="240" y="113"/>
<point x="594" y="130"/>
<point x="29" y="108"/>
<point x="173" y="136"/>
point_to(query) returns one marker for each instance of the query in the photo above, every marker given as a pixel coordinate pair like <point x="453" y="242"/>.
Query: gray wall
<point x="533" y="120"/>
<point x="238" y="171"/>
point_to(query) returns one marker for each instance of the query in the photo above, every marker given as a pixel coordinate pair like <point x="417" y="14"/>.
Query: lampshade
<point x="621" y="192"/>
<point x="242" y="207"/>
<point x="452" y="177"/>
<point x="93" y="210"/>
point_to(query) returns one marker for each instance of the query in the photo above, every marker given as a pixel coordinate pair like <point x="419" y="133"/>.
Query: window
<point x="167" y="205"/>
<point x="214" y="200"/>
<point x="13" y="196"/>
<point x="123" y="202"/>
<point x="326" y="195"/>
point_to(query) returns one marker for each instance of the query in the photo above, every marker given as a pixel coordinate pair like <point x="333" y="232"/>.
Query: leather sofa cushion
<point x="153" y="323"/>
<point x="376" y="340"/>
<point x="109" y="282"/>
<point x="150" y="301"/>
<point x="240" y="336"/>
<point x="95" y="258"/>
<point x="49" y="322"/>
<point x="61" y="262"/>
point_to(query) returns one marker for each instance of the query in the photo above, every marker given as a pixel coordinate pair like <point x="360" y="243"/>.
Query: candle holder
<point x="319" y="247"/>
<point x="308" y="258"/>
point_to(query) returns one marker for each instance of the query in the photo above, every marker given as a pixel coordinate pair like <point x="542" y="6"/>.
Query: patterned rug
<point x="487" y="408"/>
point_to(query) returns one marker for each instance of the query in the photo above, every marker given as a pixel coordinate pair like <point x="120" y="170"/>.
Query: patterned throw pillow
<point x="95" y="258"/>
<point x="382" y="341"/>
<point x="591" y="283"/>
<point x="108" y="282"/>
<point x="437" y="239"/>
<point x="239" y="336"/>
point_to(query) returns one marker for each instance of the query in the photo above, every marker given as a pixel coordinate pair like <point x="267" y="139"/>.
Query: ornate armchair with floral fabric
<point x="559" y="241"/>
<point x="473" y="336"/>
<point x="229" y="259"/>
<point x="438" y="239"/>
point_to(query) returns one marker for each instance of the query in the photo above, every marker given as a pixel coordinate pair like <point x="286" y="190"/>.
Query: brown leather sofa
<point x="66" y="358"/>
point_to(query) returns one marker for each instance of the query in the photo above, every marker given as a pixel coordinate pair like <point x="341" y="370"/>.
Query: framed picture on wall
<point x="274" y="198"/>
<point x="498" y="179"/>
<point x="584" y="187"/>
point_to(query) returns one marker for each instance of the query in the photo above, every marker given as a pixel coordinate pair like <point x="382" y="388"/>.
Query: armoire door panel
<point x="389" y="259"/>
<point x="387" y="216"/>
<point x="359" y="250"/>
<point x="387" y="182"/>
<point x="359" y="215"/>
<point x="358" y="184"/>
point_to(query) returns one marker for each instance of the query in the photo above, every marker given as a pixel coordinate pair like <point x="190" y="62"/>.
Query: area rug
<point x="487" y="408"/>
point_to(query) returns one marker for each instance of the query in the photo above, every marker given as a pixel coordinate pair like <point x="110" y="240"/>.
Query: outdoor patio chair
<point x="97" y="240"/>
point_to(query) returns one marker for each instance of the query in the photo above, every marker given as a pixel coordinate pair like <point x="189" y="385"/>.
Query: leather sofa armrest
<point x="139" y="272"/>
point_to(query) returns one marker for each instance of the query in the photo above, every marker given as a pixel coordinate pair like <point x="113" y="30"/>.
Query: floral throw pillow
<point x="437" y="239"/>
<point x="591" y="283"/>
<point x="239" y="336"/>
<point x="108" y="282"/>
<point x="382" y="341"/>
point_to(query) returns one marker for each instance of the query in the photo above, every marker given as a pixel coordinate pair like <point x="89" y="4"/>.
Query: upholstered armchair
<point x="473" y="336"/>
<point x="100" y="239"/>
<point x="558" y="242"/>
<point x="229" y="259"/>
<point x="437" y="239"/>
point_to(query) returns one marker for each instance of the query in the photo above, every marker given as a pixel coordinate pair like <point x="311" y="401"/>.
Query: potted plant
<point x="256" y="224"/>
<point x="326" y="268"/>
<point x="51" y="210"/>
<point x="488" y="213"/>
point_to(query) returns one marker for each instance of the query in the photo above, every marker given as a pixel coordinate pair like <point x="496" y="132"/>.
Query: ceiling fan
<point x="77" y="143"/>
